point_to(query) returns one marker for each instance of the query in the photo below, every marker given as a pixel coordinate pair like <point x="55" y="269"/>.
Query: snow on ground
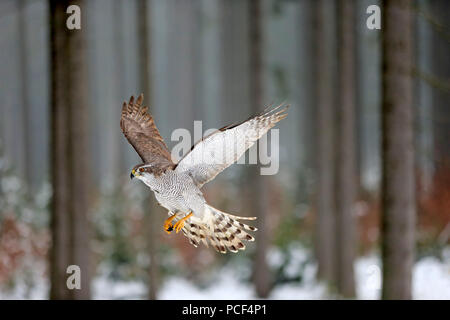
<point x="33" y="285"/>
<point x="431" y="280"/>
<point x="105" y="289"/>
<point x="227" y="287"/>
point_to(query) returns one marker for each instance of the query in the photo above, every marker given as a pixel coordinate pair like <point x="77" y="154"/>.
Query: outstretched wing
<point x="140" y="130"/>
<point x="222" y="148"/>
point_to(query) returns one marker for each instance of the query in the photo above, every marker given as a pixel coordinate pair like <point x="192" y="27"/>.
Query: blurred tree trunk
<point x="24" y="65"/>
<point x="234" y="60"/>
<point x="118" y="156"/>
<point x="440" y="13"/>
<point x="346" y="151"/>
<point x="149" y="203"/>
<point x="368" y="100"/>
<point x="398" y="185"/>
<point x="306" y="68"/>
<point x="325" y="201"/>
<point x="258" y="195"/>
<point x="69" y="147"/>
<point x="425" y="101"/>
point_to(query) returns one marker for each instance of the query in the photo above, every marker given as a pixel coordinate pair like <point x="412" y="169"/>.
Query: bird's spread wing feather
<point x="140" y="130"/>
<point x="222" y="148"/>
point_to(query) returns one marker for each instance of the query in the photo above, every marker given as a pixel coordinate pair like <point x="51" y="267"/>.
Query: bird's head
<point x="155" y="169"/>
<point x="141" y="171"/>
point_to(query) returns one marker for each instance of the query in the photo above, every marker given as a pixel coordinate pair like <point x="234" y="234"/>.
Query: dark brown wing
<point x="140" y="130"/>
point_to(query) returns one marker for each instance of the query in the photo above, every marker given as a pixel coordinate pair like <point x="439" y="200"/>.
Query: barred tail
<point x="222" y="230"/>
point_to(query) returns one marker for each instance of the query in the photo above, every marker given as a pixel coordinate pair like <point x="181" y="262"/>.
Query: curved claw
<point x="168" y="226"/>
<point x="169" y="229"/>
<point x="180" y="223"/>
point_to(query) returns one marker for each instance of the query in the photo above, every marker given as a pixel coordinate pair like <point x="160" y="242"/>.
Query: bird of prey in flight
<point x="177" y="186"/>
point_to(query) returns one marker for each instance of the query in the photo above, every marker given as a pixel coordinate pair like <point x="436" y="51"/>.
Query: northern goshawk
<point x="177" y="186"/>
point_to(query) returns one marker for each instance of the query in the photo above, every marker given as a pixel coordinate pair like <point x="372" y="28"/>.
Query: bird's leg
<point x="168" y="226"/>
<point x="180" y="223"/>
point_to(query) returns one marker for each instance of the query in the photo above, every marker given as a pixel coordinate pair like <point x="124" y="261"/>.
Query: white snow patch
<point x="431" y="280"/>
<point x="368" y="277"/>
<point x="227" y="287"/>
<point x="104" y="288"/>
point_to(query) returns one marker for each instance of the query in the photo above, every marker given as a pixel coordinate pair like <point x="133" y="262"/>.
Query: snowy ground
<point x="431" y="280"/>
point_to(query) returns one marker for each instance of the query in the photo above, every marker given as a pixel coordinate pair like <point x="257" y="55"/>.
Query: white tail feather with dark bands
<point x="222" y="230"/>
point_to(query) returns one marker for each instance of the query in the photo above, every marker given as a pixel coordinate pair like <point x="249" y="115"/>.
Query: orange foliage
<point x="368" y="217"/>
<point x="17" y="242"/>
<point x="434" y="205"/>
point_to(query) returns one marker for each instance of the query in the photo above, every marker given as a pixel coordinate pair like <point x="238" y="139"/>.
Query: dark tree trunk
<point x="149" y="203"/>
<point x="346" y="151"/>
<point x="398" y="185"/>
<point x="258" y="194"/>
<point x="325" y="201"/>
<point x="69" y="147"/>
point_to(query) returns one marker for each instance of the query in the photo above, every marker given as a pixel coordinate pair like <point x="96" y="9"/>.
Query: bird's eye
<point x="141" y="169"/>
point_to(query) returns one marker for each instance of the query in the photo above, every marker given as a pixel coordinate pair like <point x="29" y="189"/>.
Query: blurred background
<point x="65" y="193"/>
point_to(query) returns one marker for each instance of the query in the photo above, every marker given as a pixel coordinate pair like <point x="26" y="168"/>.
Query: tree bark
<point x="69" y="148"/>
<point x="325" y="201"/>
<point x="149" y="203"/>
<point x="258" y="194"/>
<point x="398" y="185"/>
<point x="346" y="151"/>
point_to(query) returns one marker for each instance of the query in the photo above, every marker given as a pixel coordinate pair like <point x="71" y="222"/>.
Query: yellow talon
<point x="168" y="226"/>
<point x="180" y="223"/>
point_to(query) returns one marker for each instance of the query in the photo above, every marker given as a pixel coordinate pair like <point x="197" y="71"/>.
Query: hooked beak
<point x="132" y="174"/>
